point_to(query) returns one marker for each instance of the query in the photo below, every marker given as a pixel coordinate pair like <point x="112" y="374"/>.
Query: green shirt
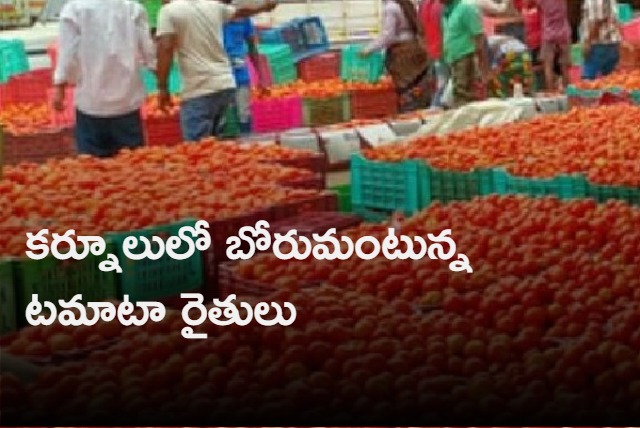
<point x="461" y="24"/>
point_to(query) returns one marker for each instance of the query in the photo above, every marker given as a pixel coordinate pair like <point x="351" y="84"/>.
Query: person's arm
<point x="248" y="12"/>
<point x="494" y="8"/>
<point x="69" y="42"/>
<point x="389" y="25"/>
<point x="18" y="367"/>
<point x="165" y="48"/>
<point x="146" y="48"/>
<point x="254" y="56"/>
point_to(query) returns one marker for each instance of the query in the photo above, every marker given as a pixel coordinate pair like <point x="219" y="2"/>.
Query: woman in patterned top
<point x="406" y="57"/>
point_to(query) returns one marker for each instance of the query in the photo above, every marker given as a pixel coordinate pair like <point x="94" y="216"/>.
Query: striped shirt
<point x="594" y="11"/>
<point x="395" y="27"/>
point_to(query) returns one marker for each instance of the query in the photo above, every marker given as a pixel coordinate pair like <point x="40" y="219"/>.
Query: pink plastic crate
<point x="64" y="118"/>
<point x="278" y="114"/>
<point x="263" y="65"/>
<point x="631" y="31"/>
<point x="575" y="73"/>
<point x="30" y="87"/>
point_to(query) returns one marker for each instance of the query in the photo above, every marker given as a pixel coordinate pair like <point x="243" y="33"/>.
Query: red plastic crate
<point x="631" y="31"/>
<point x="276" y="114"/>
<point x="30" y="87"/>
<point x="374" y="103"/>
<point x="325" y="201"/>
<point x="220" y="230"/>
<point x="325" y="66"/>
<point x="317" y="182"/>
<point x="162" y="131"/>
<point x="38" y="148"/>
<point x="320" y="222"/>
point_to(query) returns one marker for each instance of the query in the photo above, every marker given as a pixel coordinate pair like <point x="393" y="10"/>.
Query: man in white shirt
<point x="103" y="45"/>
<point x="194" y="29"/>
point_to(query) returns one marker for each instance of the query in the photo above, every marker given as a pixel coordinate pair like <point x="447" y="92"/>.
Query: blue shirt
<point x="236" y="34"/>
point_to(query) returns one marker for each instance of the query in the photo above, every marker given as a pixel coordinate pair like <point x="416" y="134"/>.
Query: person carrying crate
<point x="194" y="29"/>
<point x="241" y="43"/>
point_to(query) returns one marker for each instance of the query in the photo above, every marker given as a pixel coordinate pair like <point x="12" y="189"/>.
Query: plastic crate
<point x="325" y="66"/>
<point x="162" y="131"/>
<point x="220" y="230"/>
<point x="563" y="187"/>
<point x="625" y="13"/>
<point x="283" y="74"/>
<point x="344" y="197"/>
<point x="316" y="182"/>
<point x="13" y="59"/>
<point x="152" y="7"/>
<point x="354" y="68"/>
<point x="324" y="201"/>
<point x="319" y="223"/>
<point x="157" y="279"/>
<point x="288" y="34"/>
<point x="29" y="87"/>
<point x="576" y="54"/>
<point x="385" y="186"/>
<point x="231" y="125"/>
<point x="54" y="279"/>
<point x="8" y="315"/>
<point x="313" y="32"/>
<point x="276" y="114"/>
<point x="325" y="111"/>
<point x="374" y="103"/>
<point x="446" y="186"/>
<point x="603" y="193"/>
<point x="631" y="31"/>
<point x="38" y="148"/>
<point x="634" y="96"/>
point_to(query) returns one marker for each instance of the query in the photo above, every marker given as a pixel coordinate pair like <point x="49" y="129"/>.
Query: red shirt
<point x="431" y="19"/>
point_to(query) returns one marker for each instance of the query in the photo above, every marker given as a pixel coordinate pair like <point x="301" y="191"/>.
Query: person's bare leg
<point x="547" y="63"/>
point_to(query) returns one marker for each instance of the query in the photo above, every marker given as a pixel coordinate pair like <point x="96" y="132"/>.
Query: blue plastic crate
<point x="288" y="34"/>
<point x="313" y="32"/>
<point x="384" y="187"/>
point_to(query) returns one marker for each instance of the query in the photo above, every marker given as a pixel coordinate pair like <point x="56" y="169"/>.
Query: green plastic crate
<point x="155" y="279"/>
<point x="326" y="111"/>
<point x="625" y="13"/>
<point x="446" y="186"/>
<point x="8" y="304"/>
<point x="635" y="97"/>
<point x="344" y="197"/>
<point x="354" y="68"/>
<point x="603" y="193"/>
<point x="13" y="59"/>
<point x="152" y="7"/>
<point x="563" y="186"/>
<point x="384" y="187"/>
<point x="281" y="63"/>
<point x="151" y="82"/>
<point x="54" y="279"/>
<point x="283" y="74"/>
<point x="231" y="125"/>
<point x="576" y="54"/>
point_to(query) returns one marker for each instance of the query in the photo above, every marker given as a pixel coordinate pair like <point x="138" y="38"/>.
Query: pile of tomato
<point x="548" y="318"/>
<point x="318" y="89"/>
<point x="602" y="144"/>
<point x="145" y="187"/>
<point x="625" y="80"/>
